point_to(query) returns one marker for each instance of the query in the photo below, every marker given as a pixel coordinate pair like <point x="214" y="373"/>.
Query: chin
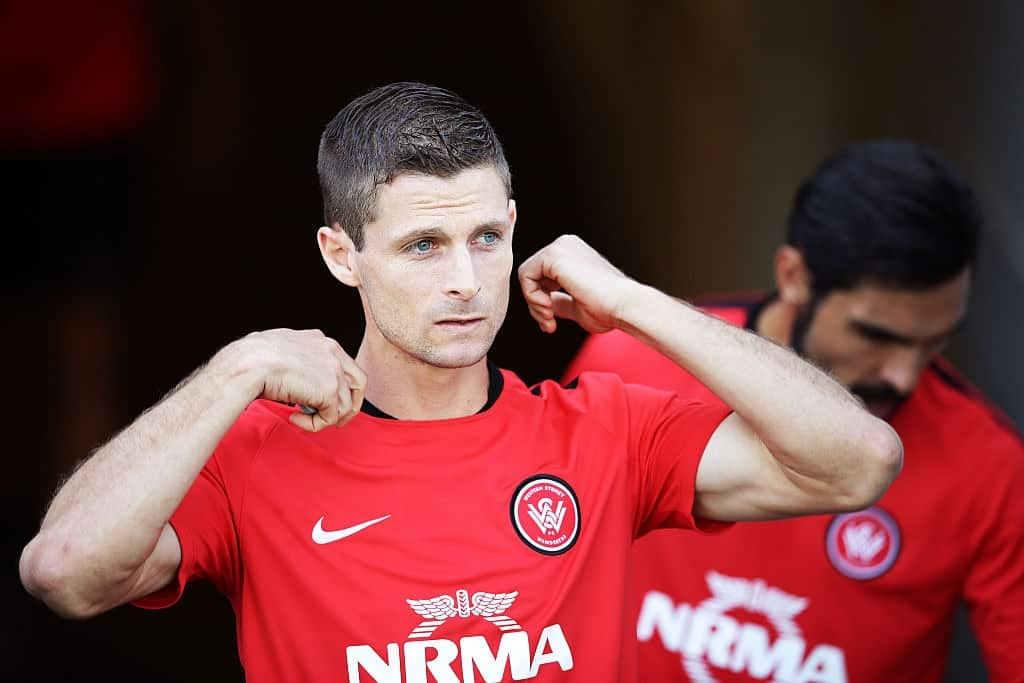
<point x="452" y="359"/>
<point x="455" y="361"/>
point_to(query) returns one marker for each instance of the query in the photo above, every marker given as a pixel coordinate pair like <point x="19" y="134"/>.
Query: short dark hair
<point x="886" y="212"/>
<point x="394" y="129"/>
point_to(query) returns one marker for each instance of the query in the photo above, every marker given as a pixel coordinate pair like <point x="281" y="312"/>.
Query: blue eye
<point x="421" y="246"/>
<point x="489" y="237"/>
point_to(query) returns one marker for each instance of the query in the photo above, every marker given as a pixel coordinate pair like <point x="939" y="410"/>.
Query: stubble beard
<point x="394" y="328"/>
<point x="870" y="394"/>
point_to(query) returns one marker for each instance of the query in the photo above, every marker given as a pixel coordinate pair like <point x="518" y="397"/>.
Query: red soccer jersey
<point x="867" y="596"/>
<point x="492" y="547"/>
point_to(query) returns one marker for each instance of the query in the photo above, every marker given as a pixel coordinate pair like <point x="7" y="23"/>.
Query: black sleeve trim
<point x="755" y="308"/>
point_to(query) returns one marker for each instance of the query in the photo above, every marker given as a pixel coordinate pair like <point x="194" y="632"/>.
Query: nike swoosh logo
<point x="321" y="537"/>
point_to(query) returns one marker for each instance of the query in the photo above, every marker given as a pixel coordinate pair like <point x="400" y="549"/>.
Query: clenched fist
<point x="305" y="367"/>
<point x="569" y="279"/>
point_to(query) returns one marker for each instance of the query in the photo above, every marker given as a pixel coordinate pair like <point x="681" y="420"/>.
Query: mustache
<point x="872" y="393"/>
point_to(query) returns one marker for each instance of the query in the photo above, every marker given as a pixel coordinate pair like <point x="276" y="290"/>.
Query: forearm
<point x="809" y="422"/>
<point x="106" y="519"/>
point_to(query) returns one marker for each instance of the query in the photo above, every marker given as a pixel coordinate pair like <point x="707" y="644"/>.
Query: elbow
<point x="886" y="460"/>
<point x="45" y="573"/>
<point x="880" y="460"/>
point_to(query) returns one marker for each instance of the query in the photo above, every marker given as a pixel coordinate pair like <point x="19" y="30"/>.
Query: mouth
<point x="883" y="408"/>
<point x="879" y="408"/>
<point x="460" y="323"/>
<point x="881" y="401"/>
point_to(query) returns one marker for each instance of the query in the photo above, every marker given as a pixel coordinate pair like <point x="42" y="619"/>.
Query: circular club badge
<point x="864" y="544"/>
<point x="546" y="514"/>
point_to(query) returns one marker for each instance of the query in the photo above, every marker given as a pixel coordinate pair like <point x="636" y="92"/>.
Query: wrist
<point x="636" y="302"/>
<point x="237" y="368"/>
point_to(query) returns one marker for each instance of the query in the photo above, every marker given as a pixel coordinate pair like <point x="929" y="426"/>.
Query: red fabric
<point x="341" y="611"/>
<point x="768" y="599"/>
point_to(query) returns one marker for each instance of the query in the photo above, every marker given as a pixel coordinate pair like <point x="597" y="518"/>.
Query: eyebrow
<point x="437" y="231"/>
<point x="878" y="332"/>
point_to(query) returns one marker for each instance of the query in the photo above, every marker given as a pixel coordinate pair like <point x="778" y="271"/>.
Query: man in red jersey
<point x="456" y="525"/>
<point x="870" y="285"/>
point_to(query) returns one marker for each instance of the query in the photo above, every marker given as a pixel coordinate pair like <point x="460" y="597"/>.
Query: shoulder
<point x="263" y="416"/>
<point x="581" y="390"/>
<point x="968" y="420"/>
<point x="253" y="428"/>
<point x="604" y="397"/>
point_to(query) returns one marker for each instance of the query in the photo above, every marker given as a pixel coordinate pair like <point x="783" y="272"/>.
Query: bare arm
<point x="105" y="539"/>
<point x="798" y="441"/>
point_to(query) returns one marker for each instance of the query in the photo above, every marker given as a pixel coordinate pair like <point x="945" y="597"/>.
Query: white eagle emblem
<point x="729" y="592"/>
<point x="436" y="611"/>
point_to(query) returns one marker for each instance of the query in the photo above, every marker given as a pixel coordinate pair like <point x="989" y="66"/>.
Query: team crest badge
<point x="546" y="514"/>
<point x="863" y="545"/>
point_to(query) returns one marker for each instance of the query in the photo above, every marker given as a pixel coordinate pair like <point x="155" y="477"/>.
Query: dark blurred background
<point x="160" y="199"/>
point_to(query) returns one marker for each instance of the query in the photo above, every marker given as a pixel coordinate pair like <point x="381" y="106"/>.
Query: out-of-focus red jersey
<point x="867" y="596"/>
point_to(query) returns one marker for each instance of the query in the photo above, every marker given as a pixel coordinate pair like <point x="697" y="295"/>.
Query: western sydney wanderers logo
<point x="863" y="545"/>
<point x="517" y="654"/>
<point x="745" y="629"/>
<point x="546" y="514"/>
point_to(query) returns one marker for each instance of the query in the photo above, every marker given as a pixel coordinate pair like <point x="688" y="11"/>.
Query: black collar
<point x="756" y="308"/>
<point x="495" y="383"/>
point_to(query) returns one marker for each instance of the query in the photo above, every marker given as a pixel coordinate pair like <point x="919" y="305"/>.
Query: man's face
<point x="435" y="266"/>
<point x="878" y="340"/>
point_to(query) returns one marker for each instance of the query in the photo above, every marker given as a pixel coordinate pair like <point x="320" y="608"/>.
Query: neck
<point x="409" y="389"/>
<point x="776" y="322"/>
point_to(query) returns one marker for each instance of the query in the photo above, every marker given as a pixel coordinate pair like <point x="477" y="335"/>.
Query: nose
<point x="903" y="368"/>
<point x="463" y="282"/>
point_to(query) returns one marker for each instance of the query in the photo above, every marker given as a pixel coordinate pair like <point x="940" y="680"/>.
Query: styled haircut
<point x="394" y="129"/>
<point x="886" y="212"/>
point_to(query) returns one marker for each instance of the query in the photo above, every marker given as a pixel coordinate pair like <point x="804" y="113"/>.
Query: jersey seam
<point x="242" y="500"/>
<point x="947" y="374"/>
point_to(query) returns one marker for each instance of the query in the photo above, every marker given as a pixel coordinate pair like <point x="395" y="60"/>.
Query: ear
<point x="792" y="278"/>
<point x="339" y="254"/>
<point x="512" y="214"/>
